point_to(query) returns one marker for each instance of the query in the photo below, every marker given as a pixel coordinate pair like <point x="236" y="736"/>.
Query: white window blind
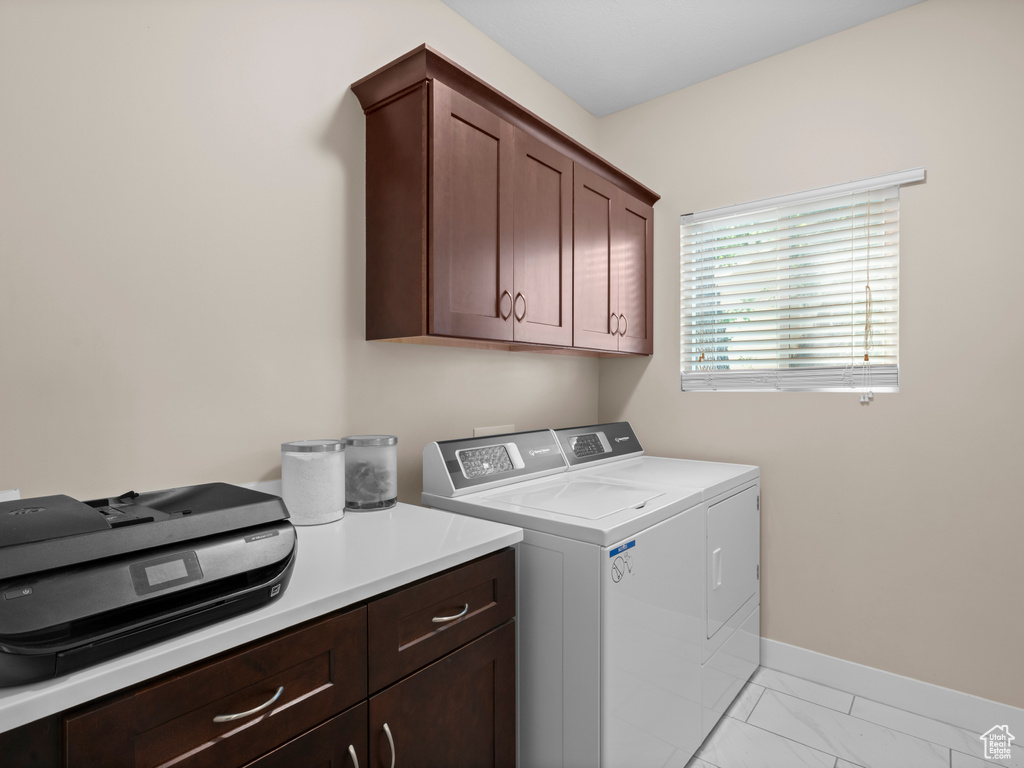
<point x="797" y="293"/>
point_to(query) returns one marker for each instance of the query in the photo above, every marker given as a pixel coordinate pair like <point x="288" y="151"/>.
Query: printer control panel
<point x="164" y="572"/>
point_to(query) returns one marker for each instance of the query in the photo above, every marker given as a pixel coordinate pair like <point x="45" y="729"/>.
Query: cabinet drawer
<point x="320" y="669"/>
<point x="410" y="628"/>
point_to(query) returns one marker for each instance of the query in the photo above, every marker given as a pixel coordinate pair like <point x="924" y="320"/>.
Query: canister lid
<point x="362" y="440"/>
<point x="312" y="446"/>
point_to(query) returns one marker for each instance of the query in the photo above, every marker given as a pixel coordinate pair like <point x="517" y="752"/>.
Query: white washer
<point x="613" y="638"/>
<point x="730" y="643"/>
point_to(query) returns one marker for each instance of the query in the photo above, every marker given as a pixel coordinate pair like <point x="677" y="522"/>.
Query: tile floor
<point x="781" y="721"/>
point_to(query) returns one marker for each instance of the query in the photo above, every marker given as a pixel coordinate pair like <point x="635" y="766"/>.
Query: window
<point x="796" y="293"/>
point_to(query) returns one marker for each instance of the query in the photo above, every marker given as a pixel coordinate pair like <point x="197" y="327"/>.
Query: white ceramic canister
<point x="313" y="480"/>
<point x="371" y="472"/>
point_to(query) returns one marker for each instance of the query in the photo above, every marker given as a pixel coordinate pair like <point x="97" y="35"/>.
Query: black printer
<point x="81" y="582"/>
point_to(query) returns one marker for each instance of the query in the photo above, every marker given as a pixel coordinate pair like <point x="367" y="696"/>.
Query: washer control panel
<point x="489" y="460"/>
<point x="454" y="466"/>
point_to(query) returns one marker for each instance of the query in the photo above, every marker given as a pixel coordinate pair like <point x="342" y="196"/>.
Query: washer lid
<point x="587" y="498"/>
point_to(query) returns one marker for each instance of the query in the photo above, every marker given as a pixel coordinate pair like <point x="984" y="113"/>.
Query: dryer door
<point x="733" y="556"/>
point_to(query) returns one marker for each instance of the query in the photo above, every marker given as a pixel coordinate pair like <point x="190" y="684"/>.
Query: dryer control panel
<point x="584" y="446"/>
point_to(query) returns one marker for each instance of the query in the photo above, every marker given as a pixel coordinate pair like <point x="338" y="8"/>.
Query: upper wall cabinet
<point x="484" y="224"/>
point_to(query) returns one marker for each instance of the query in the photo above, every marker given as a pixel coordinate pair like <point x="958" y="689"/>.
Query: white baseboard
<point x="944" y="704"/>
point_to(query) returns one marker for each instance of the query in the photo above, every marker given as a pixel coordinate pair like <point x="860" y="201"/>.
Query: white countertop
<point x="338" y="564"/>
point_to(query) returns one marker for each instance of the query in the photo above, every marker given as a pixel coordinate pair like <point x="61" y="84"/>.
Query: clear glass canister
<point x="313" y="480"/>
<point x="371" y="471"/>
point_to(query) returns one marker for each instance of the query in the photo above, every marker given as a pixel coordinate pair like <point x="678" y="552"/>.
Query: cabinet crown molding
<point x="424" y="63"/>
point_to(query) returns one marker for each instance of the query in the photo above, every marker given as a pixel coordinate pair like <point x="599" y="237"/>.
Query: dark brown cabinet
<point x="471" y="201"/>
<point x="34" y="745"/>
<point x="470" y="208"/>
<point x="635" y="233"/>
<point x="434" y="661"/>
<point x="338" y="743"/>
<point x="613" y="270"/>
<point x="231" y="711"/>
<point x="470" y="692"/>
<point x="414" y="626"/>
<point x="501" y="221"/>
<point x="593" y="273"/>
<point x="464" y="686"/>
<point x="542" y="243"/>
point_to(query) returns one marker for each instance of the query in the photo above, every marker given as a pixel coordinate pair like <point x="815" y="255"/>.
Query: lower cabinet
<point x="421" y="676"/>
<point x="338" y="743"/>
<point x="457" y="713"/>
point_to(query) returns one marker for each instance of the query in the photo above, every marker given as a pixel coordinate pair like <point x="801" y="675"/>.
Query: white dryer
<point x="612" y="612"/>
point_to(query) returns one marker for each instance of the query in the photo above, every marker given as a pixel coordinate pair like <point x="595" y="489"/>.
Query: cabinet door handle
<point x="614" y="317"/>
<point x="519" y="318"/>
<point x="622" y="327"/>
<point x="352" y="754"/>
<point x="260" y="708"/>
<point x="391" y="741"/>
<point x="459" y="615"/>
<point x="501" y="302"/>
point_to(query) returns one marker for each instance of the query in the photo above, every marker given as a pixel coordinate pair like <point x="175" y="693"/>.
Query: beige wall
<point x="181" y="245"/>
<point x="891" y="535"/>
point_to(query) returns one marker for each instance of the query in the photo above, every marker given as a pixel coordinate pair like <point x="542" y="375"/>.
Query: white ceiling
<point x="611" y="54"/>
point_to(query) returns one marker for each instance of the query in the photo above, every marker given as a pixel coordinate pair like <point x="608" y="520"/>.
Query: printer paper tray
<point x="116" y="645"/>
<point x="131" y="621"/>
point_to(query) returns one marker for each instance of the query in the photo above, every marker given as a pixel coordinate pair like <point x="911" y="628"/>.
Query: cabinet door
<point x="542" y="243"/>
<point x="595" y="289"/>
<point x="460" y="712"/>
<point x="634" y="233"/>
<point x="471" y="214"/>
<point x="338" y="743"/>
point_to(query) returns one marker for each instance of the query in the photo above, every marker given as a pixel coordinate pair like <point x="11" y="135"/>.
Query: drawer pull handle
<point x="614" y="317"/>
<point x="391" y="741"/>
<point x="622" y="328"/>
<point x="260" y="708"/>
<point x="501" y="302"/>
<point x="459" y="615"/>
<point x="352" y="754"/>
